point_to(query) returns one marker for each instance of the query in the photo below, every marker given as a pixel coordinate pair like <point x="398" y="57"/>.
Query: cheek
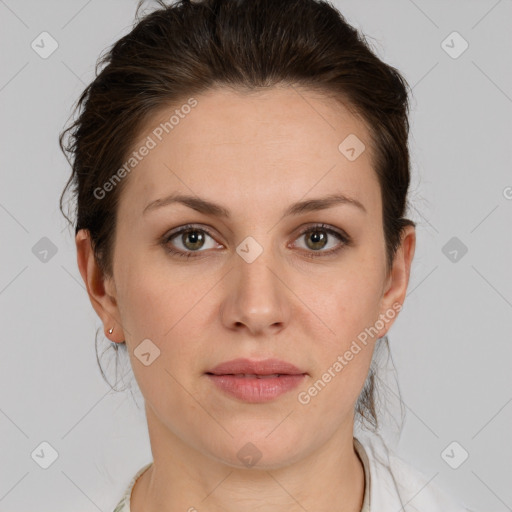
<point x="163" y="309"/>
<point x="343" y="356"/>
<point x="349" y="304"/>
<point x="144" y="302"/>
<point x="163" y="303"/>
<point x="350" y="301"/>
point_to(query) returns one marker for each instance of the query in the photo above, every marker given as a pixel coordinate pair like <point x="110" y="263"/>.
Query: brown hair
<point x="186" y="48"/>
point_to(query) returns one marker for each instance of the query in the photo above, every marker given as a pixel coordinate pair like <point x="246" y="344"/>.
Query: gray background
<point x="451" y="343"/>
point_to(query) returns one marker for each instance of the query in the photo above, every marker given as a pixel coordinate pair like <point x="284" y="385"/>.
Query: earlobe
<point x="96" y="284"/>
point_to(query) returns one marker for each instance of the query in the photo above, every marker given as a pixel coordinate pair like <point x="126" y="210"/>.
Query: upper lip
<point x="252" y="367"/>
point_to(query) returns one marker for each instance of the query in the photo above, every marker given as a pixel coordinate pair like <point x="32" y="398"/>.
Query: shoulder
<point x="122" y="506"/>
<point x="124" y="503"/>
<point x="395" y="483"/>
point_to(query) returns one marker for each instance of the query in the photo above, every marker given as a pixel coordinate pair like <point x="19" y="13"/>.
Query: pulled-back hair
<point x="181" y="50"/>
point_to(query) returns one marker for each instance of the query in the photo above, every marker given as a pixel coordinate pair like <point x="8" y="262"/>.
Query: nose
<point x="255" y="296"/>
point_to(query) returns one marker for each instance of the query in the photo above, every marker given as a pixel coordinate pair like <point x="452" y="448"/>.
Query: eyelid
<point x="344" y="238"/>
<point x="166" y="238"/>
<point x="326" y="227"/>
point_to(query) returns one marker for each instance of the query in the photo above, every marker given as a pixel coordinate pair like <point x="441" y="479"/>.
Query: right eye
<point x="187" y="240"/>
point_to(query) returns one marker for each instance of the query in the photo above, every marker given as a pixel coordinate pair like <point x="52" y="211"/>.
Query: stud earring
<point x="111" y="330"/>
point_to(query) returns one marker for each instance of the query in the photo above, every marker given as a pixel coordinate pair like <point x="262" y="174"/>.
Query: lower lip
<point x="254" y="390"/>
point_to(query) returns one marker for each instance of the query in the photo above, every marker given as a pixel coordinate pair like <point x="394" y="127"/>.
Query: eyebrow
<point x="210" y="208"/>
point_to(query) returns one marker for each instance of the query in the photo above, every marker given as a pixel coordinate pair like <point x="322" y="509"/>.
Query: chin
<point x="271" y="449"/>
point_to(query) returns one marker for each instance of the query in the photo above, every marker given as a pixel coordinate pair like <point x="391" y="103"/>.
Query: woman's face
<point x="255" y="285"/>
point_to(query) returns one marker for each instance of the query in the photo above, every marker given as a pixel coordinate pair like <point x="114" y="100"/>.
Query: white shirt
<point x="391" y="484"/>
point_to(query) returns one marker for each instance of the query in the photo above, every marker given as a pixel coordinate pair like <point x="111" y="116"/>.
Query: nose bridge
<point x="256" y="292"/>
<point x="254" y="264"/>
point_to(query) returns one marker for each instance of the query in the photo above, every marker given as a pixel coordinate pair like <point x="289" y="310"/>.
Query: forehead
<point x="279" y="144"/>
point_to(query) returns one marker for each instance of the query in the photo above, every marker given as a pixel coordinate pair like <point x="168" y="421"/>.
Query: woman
<point x="241" y="170"/>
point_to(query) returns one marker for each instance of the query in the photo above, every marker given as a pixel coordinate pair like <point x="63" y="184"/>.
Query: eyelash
<point x="343" y="237"/>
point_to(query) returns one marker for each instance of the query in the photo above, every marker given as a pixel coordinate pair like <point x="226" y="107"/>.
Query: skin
<point x="254" y="154"/>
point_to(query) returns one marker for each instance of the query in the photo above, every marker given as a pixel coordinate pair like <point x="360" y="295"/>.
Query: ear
<point x="395" y="288"/>
<point x="100" y="288"/>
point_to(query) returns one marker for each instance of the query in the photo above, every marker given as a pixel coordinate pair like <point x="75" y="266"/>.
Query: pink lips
<point x="256" y="381"/>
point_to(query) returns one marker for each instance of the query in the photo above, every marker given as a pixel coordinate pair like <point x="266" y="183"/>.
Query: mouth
<point x="251" y="375"/>
<point x="259" y="369"/>
<point x="256" y="381"/>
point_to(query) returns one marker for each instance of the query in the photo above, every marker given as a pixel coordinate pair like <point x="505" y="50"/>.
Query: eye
<point x="187" y="240"/>
<point x="320" y="236"/>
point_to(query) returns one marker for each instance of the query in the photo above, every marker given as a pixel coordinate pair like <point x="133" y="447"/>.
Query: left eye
<point x="318" y="238"/>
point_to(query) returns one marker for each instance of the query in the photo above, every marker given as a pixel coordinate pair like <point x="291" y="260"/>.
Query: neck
<point x="183" y="478"/>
